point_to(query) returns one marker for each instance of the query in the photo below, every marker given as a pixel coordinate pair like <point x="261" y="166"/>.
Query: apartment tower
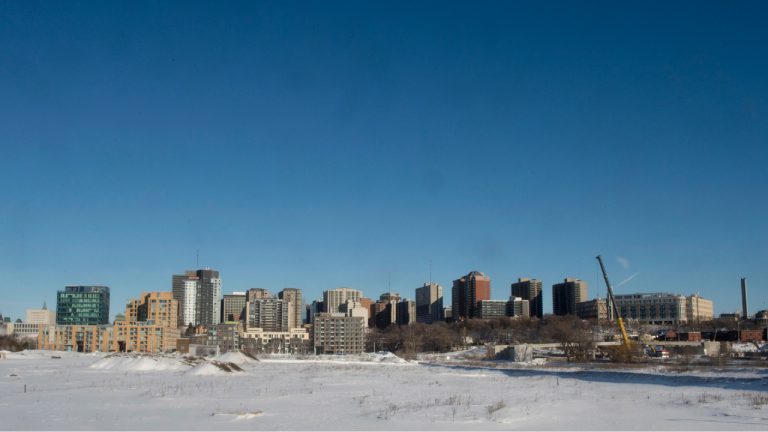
<point x="530" y="289"/>
<point x="567" y="294"/>
<point x="466" y="292"/>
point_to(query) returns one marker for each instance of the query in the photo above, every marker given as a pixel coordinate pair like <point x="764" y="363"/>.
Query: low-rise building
<point x="294" y="341"/>
<point x="489" y="309"/>
<point x="335" y="333"/>
<point x="592" y="309"/>
<point x="663" y="308"/>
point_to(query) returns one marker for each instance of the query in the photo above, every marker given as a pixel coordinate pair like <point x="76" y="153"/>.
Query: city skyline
<point x="330" y="145"/>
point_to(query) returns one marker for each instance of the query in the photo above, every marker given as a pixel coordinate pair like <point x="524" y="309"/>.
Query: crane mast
<point x="614" y="308"/>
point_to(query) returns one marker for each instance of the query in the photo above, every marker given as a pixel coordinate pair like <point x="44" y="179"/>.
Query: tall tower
<point x="184" y="288"/>
<point x="565" y="295"/>
<point x="296" y="305"/>
<point x="429" y="303"/>
<point x="333" y="298"/>
<point x="208" y="297"/>
<point x="466" y="292"/>
<point x="530" y="289"/>
<point x="744" y="311"/>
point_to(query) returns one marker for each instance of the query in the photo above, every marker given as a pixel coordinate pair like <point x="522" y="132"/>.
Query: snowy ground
<point x="369" y="392"/>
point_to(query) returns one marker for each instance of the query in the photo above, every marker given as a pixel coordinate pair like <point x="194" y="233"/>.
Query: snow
<point x="214" y="368"/>
<point x="127" y="363"/>
<point x="236" y="357"/>
<point x="374" y="391"/>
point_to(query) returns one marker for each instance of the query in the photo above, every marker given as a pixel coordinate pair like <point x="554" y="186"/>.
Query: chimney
<point x="744" y="312"/>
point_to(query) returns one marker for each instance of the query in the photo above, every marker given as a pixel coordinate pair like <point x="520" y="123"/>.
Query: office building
<point x="663" y="308"/>
<point x="335" y="333"/>
<point x="530" y="289"/>
<point x="429" y="303"/>
<point x="466" y="292"/>
<point x="82" y="305"/>
<point x="334" y="298"/>
<point x="295" y="305"/>
<point x="233" y="307"/>
<point x="566" y="294"/>
<point x="698" y="309"/>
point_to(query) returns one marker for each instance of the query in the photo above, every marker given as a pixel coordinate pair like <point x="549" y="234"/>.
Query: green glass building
<point x="82" y="305"/>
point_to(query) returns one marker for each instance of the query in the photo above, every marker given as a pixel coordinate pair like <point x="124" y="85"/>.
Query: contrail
<point x="627" y="279"/>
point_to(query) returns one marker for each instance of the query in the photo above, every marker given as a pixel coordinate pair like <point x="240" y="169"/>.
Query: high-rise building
<point x="208" y="297"/>
<point x="257" y="293"/>
<point x="315" y="308"/>
<point x="356" y="309"/>
<point x="333" y="298"/>
<point x="82" y="305"/>
<point x="566" y="294"/>
<point x="530" y="289"/>
<point x="184" y="288"/>
<point x="296" y="305"/>
<point x="233" y="307"/>
<point x="406" y="312"/>
<point x="198" y="293"/>
<point x="517" y="307"/>
<point x="466" y="292"/>
<point x="429" y="303"/>
<point x="270" y="314"/>
<point x="386" y="309"/>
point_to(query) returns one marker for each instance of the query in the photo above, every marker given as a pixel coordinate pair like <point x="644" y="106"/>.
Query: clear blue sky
<point x="318" y="145"/>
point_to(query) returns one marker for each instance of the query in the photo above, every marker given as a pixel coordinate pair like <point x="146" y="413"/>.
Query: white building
<point x="334" y="298"/>
<point x="184" y="288"/>
<point x="41" y="316"/>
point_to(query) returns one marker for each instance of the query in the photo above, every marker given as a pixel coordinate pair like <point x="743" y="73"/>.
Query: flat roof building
<point x="530" y="289"/>
<point x="82" y="305"/>
<point x="566" y="294"/>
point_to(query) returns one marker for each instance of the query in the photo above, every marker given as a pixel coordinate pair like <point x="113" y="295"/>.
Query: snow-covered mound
<point x="140" y="363"/>
<point x="235" y="357"/>
<point x="383" y="357"/>
<point x="215" y="368"/>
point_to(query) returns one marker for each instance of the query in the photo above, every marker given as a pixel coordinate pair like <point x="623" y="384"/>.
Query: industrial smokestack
<point x="744" y="312"/>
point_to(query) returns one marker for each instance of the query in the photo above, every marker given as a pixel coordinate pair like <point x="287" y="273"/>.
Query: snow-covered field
<point x="368" y="392"/>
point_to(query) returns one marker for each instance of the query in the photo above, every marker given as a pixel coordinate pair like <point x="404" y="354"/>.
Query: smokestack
<point x="744" y="312"/>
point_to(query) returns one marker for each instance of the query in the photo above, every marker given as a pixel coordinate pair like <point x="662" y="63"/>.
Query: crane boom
<point x="625" y="338"/>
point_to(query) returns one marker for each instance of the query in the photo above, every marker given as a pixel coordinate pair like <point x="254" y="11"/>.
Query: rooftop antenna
<point x="430" y="272"/>
<point x="198" y="259"/>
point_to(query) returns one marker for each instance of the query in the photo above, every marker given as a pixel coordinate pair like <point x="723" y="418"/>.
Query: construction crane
<point x="625" y="338"/>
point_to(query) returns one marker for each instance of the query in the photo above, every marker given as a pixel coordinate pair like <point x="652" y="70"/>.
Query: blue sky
<point x="319" y="145"/>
